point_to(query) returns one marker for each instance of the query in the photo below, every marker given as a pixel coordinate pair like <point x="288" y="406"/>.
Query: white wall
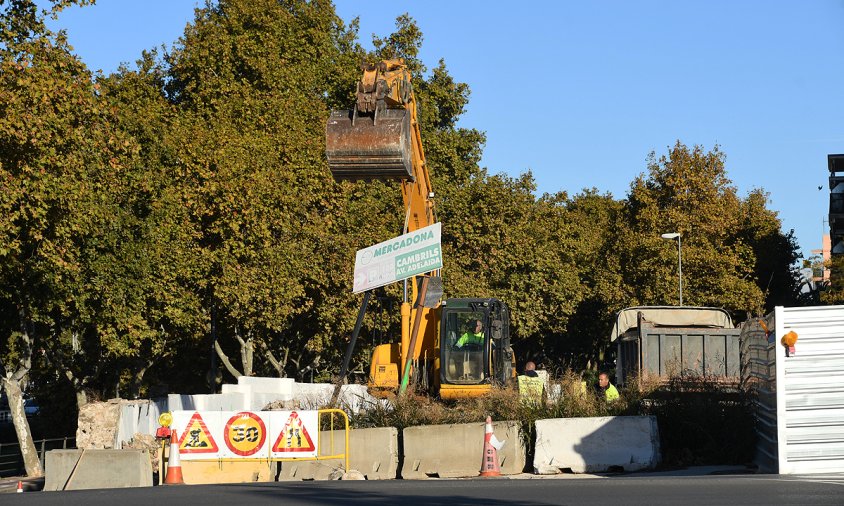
<point x="810" y="390"/>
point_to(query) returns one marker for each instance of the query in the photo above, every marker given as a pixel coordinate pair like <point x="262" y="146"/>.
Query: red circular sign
<point x="245" y="433"/>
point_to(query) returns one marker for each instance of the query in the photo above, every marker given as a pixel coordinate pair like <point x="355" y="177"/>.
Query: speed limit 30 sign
<point x="245" y="434"/>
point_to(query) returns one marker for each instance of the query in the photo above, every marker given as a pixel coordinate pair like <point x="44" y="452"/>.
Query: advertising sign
<point x="399" y="258"/>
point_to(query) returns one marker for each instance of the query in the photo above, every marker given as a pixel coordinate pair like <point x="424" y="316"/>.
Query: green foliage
<point x="687" y="191"/>
<point x="833" y="292"/>
<point x="141" y="212"/>
<point x="61" y="173"/>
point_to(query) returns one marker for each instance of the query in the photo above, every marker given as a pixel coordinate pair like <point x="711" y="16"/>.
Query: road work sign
<point x="295" y="436"/>
<point x="400" y="258"/>
<point x="196" y="437"/>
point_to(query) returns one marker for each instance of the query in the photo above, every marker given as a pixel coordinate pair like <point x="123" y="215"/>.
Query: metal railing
<point x="11" y="460"/>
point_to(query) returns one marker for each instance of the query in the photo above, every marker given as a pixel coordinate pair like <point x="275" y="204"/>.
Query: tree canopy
<point x="183" y="207"/>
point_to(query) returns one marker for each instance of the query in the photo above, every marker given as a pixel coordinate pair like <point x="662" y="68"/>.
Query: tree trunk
<point x="247" y="352"/>
<point x="226" y="362"/>
<point x="30" y="456"/>
<point x="277" y="365"/>
<point x="81" y="399"/>
<point x="78" y="388"/>
<point x="137" y="380"/>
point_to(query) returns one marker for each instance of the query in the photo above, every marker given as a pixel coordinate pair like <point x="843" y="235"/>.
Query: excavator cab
<point x="475" y="347"/>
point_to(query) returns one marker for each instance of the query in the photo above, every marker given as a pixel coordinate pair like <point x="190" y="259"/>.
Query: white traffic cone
<point x="489" y="459"/>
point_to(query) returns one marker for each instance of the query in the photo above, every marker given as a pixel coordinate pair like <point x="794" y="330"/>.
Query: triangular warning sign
<point x="294" y="437"/>
<point x="196" y="438"/>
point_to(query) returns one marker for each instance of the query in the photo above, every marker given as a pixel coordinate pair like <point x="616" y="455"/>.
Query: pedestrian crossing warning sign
<point x="196" y="438"/>
<point x="294" y="436"/>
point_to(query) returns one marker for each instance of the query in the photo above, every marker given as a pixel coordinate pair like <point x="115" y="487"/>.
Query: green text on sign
<point x="419" y="261"/>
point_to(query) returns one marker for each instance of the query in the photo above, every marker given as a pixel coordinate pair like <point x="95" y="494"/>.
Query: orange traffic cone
<point x="174" y="464"/>
<point x="489" y="459"/>
<point x="20" y="487"/>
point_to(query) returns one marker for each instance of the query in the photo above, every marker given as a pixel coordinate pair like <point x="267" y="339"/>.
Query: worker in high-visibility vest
<point x="531" y="386"/>
<point x="604" y="389"/>
<point x="473" y="336"/>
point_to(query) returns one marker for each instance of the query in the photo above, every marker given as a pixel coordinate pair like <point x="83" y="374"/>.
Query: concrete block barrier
<point x="372" y="452"/>
<point x="455" y="451"/>
<point x="597" y="444"/>
<point x="87" y="469"/>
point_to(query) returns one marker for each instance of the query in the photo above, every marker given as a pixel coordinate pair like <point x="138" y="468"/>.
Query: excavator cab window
<point x="465" y="348"/>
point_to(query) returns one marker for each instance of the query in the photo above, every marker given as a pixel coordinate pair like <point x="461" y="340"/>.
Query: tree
<point x="833" y="292"/>
<point x="776" y="252"/>
<point x="56" y="155"/>
<point x="147" y="270"/>
<point x="595" y="222"/>
<point x="723" y="236"/>
<point x="250" y="81"/>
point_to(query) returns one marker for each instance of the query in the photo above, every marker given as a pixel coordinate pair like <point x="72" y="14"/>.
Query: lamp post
<point x="671" y="237"/>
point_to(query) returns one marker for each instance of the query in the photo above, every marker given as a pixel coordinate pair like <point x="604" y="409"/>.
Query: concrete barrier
<point x="87" y="469"/>
<point x="455" y="451"/>
<point x="597" y="444"/>
<point x="373" y="452"/>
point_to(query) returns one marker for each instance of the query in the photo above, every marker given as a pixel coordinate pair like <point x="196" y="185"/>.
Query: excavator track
<point x="369" y="147"/>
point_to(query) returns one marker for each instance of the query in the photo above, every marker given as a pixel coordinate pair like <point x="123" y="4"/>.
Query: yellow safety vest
<point x="611" y="392"/>
<point x="470" y="338"/>
<point x="530" y="388"/>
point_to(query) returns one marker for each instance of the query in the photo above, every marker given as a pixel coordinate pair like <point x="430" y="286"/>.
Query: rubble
<point x="97" y="426"/>
<point x="145" y="442"/>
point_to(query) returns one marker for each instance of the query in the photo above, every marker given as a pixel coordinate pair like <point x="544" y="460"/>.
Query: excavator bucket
<point x="366" y="147"/>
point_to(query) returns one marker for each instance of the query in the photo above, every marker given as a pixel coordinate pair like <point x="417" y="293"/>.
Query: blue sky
<point x="580" y="92"/>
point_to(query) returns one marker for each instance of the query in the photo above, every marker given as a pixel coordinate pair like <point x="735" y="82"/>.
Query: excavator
<point x="457" y="348"/>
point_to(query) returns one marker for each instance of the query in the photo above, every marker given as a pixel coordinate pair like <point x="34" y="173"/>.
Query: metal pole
<point x="350" y="348"/>
<point x="680" y="263"/>
<point x="344" y="369"/>
<point x="413" y="335"/>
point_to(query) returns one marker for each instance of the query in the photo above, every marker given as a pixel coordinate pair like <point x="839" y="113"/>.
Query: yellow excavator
<point x="458" y="347"/>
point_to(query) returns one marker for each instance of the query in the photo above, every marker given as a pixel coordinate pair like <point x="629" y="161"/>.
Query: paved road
<point x="619" y="490"/>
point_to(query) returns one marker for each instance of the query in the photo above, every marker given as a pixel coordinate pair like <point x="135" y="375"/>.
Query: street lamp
<point x="671" y="237"/>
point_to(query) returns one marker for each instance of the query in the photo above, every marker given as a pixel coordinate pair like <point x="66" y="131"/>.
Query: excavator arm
<point x="379" y="139"/>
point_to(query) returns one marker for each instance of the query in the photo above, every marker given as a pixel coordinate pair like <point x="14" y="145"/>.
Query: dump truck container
<point x="665" y="341"/>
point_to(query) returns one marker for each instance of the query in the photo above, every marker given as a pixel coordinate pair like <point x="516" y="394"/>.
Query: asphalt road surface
<point x="816" y="490"/>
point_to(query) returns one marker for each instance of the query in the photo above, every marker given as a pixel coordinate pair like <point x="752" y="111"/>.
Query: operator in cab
<point x="473" y="336"/>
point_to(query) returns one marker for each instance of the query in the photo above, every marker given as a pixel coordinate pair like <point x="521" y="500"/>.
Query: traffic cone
<point x="174" y="465"/>
<point x="20" y="487"/>
<point x="489" y="459"/>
